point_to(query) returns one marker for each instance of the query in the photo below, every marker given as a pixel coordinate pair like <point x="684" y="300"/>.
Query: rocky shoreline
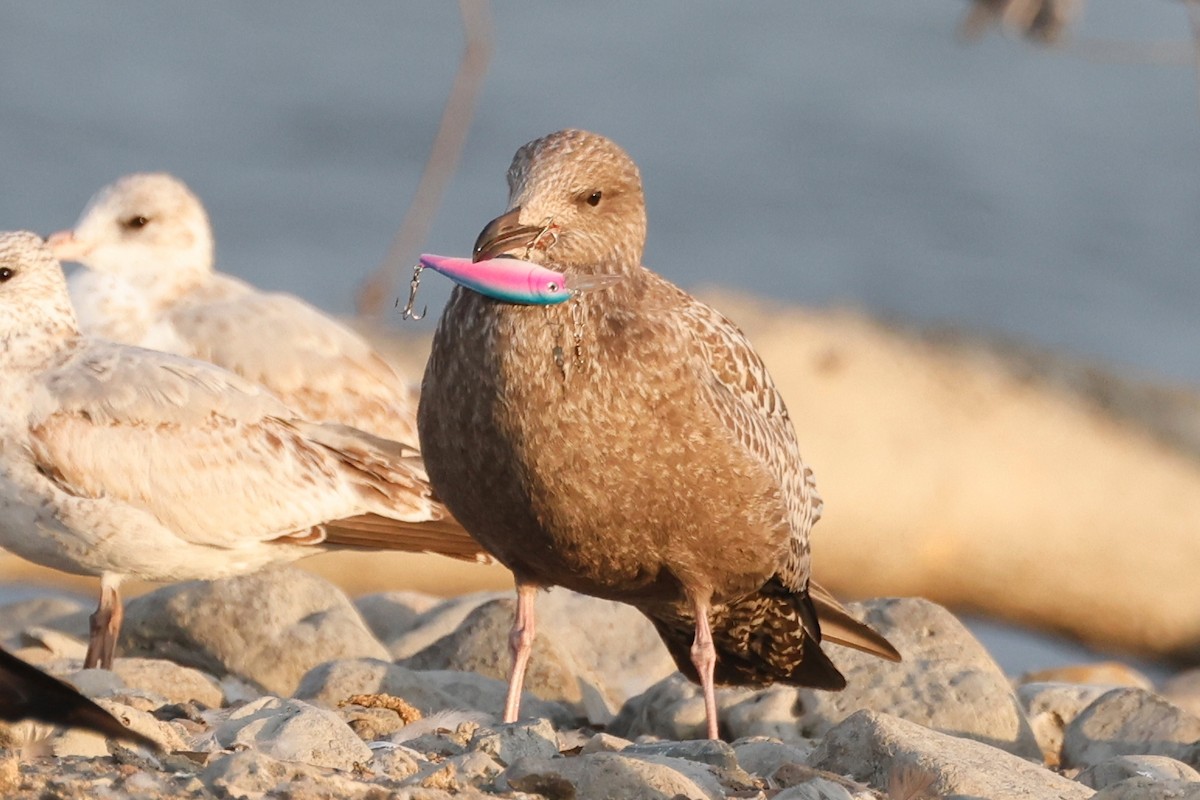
<point x="276" y="685"/>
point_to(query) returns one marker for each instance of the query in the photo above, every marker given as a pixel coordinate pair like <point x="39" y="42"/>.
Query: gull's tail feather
<point x="838" y="627"/>
<point x="444" y="537"/>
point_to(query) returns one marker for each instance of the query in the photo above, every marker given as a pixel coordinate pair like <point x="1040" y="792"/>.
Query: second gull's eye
<point x="594" y="198"/>
<point x="133" y="223"/>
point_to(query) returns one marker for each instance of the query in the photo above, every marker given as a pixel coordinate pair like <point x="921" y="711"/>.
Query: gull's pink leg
<point x="105" y="626"/>
<point x="520" y="642"/>
<point x="704" y="657"/>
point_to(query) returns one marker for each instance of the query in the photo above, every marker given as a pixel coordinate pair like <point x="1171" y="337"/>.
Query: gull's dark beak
<point x="503" y="234"/>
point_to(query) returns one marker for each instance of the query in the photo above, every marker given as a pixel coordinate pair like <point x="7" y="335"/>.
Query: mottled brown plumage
<point x="628" y="443"/>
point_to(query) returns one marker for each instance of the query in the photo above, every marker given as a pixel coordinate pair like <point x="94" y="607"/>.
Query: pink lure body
<point x="507" y="279"/>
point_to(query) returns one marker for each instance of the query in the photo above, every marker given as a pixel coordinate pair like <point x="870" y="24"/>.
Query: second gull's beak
<point x="65" y="246"/>
<point x="503" y="234"/>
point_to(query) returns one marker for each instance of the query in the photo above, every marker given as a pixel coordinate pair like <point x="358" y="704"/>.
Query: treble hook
<point x="413" y="285"/>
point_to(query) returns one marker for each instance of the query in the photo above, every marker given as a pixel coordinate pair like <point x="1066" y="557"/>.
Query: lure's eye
<point x="552" y="287"/>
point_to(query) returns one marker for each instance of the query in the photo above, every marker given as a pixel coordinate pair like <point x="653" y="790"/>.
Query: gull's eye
<point x="134" y="223"/>
<point x="593" y="199"/>
<point x="6" y="273"/>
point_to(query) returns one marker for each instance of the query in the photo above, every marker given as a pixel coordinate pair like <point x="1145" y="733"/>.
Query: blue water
<point x="848" y="153"/>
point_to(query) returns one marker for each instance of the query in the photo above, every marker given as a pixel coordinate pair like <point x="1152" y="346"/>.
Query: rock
<point x="1183" y="690"/>
<point x="1050" y="708"/>
<point x="589" y="653"/>
<point x="1122" y="768"/>
<point x="760" y="755"/>
<point x="292" y="730"/>
<point x="1129" y="722"/>
<point x="395" y="761"/>
<point x="77" y="742"/>
<point x="178" y="684"/>
<point x="947" y="682"/>
<point x="1143" y="788"/>
<point x="429" y="692"/>
<point x="53" y="611"/>
<point x="870" y="747"/>
<point x="370" y="724"/>
<point x="458" y="772"/>
<point x="255" y="774"/>
<point x="507" y="743"/>
<point x="268" y="628"/>
<point x="439" y="621"/>
<point x="704" y="751"/>
<point x="612" y="775"/>
<point x="390" y="615"/>
<point x="613" y="640"/>
<point x="55" y="642"/>
<point x="1107" y="673"/>
<point x="604" y="743"/>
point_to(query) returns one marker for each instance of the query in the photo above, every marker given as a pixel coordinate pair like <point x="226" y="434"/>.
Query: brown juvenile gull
<point x="628" y="443"/>
<point x="27" y="693"/>
<point x="116" y="461"/>
<point x="147" y="245"/>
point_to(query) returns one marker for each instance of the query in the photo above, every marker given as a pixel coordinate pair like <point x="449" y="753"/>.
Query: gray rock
<point x="458" y="773"/>
<point x="602" y="776"/>
<point x="76" y="742"/>
<point x="178" y="684"/>
<point x="604" y="743"/>
<point x="819" y="789"/>
<point x="869" y="747"/>
<point x="390" y="615"/>
<point x="1050" y="708"/>
<point x="947" y="681"/>
<point x="268" y="628"/>
<point x="254" y="774"/>
<point x="704" y="751"/>
<point x="590" y="654"/>
<point x="1143" y="788"/>
<point x="395" y="761"/>
<point x="55" y="642"/>
<point x="439" y="621"/>
<point x="1122" y="768"/>
<point x="291" y="730"/>
<point x="480" y="644"/>
<point x="59" y="612"/>
<point x="760" y="755"/>
<point x="429" y="692"/>
<point x="1129" y="722"/>
<point x="507" y="743"/>
<point x="1183" y="690"/>
<point x="673" y="708"/>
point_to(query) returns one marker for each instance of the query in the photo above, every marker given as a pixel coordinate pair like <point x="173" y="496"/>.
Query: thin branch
<point x="373" y="294"/>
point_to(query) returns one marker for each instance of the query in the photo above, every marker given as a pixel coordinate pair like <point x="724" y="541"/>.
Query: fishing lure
<point x="508" y="279"/>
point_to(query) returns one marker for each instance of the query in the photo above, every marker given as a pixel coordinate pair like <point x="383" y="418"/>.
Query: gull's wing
<point x="315" y="364"/>
<point x="216" y="459"/>
<point x="28" y="693"/>
<point x="746" y="400"/>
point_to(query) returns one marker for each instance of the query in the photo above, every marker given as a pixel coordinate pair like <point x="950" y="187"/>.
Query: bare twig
<point x="373" y="295"/>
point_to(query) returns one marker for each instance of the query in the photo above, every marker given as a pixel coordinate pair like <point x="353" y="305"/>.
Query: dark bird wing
<point x="28" y="693"/>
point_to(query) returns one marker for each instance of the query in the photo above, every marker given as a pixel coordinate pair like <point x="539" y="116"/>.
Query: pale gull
<point x="627" y="443"/>
<point x="118" y="461"/>
<point x="147" y="245"/>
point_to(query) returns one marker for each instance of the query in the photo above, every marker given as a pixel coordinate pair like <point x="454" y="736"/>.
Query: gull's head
<point x="140" y="224"/>
<point x="575" y="200"/>
<point x="33" y="291"/>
